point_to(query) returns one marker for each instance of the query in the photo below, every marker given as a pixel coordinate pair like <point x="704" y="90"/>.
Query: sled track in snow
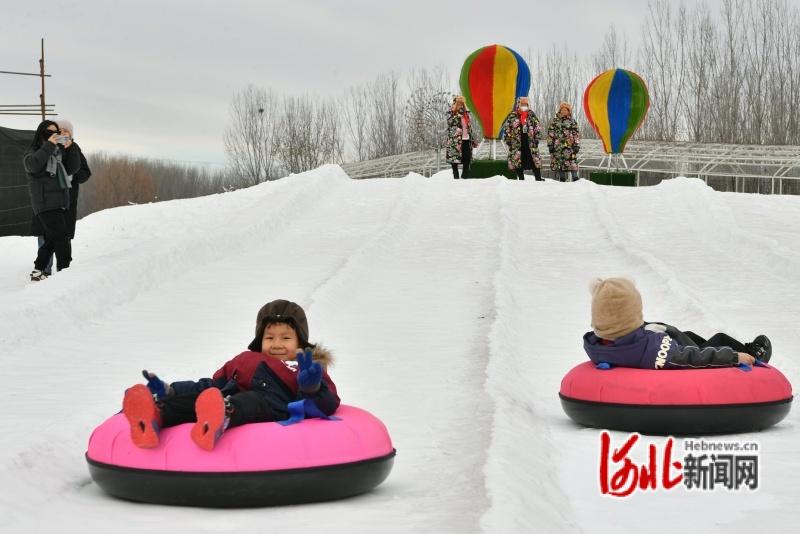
<point x="390" y="227"/>
<point x="676" y="290"/>
<point x="515" y="468"/>
<point x="25" y="318"/>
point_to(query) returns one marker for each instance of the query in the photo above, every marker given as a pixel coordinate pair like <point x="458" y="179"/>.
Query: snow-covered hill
<point x="453" y="307"/>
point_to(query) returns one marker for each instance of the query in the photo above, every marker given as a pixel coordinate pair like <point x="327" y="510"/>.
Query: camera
<point x="62" y="139"/>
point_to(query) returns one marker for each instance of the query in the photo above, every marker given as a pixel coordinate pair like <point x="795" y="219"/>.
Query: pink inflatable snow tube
<point x="251" y="465"/>
<point x="698" y="401"/>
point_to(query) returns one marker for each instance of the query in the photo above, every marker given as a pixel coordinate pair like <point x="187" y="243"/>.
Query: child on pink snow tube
<point x="256" y="386"/>
<point x="620" y="336"/>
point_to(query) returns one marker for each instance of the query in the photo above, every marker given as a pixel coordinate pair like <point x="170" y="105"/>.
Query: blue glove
<point x="157" y="387"/>
<point x="310" y="374"/>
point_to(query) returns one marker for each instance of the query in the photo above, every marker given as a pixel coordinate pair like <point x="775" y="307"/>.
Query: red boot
<point x="143" y="415"/>
<point x="210" y="410"/>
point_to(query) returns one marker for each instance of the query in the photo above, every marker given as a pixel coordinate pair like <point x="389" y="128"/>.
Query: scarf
<point x="55" y="168"/>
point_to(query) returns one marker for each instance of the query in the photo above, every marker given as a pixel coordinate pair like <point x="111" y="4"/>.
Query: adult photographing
<point x="84" y="173"/>
<point x="460" y="137"/>
<point x="521" y="133"/>
<point x="50" y="162"/>
<point x="564" y="142"/>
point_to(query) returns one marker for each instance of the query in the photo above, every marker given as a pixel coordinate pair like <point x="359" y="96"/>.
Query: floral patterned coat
<point x="512" y="135"/>
<point x="564" y="142"/>
<point x="454" y="135"/>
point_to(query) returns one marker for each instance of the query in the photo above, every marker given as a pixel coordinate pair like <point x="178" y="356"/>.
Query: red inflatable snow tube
<point x="676" y="402"/>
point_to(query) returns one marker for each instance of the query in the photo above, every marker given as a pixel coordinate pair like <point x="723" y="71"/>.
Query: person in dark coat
<point x="259" y="385"/>
<point x="521" y="133"/>
<point x="621" y="337"/>
<point x="50" y="162"/>
<point x="82" y="176"/>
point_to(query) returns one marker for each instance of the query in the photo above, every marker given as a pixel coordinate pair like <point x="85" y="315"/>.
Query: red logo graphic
<point x="628" y="476"/>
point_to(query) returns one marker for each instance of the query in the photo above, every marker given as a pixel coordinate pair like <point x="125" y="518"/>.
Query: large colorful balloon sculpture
<point x="616" y="103"/>
<point x="492" y="79"/>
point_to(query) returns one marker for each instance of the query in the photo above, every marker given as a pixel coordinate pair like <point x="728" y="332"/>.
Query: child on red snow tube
<point x="256" y="386"/>
<point x="621" y="337"/>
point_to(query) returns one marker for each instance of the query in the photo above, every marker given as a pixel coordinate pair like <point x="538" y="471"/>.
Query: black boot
<point x="760" y="348"/>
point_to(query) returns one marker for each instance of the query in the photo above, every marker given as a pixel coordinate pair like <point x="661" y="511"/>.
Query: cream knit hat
<point x="616" y="307"/>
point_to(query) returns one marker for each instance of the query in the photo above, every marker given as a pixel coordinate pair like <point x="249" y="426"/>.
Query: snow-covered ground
<point x="454" y="308"/>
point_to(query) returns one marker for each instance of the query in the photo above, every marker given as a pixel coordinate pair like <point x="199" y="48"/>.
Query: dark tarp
<point x="15" y="204"/>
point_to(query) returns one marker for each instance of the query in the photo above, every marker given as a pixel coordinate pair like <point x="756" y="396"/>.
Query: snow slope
<point x="454" y="309"/>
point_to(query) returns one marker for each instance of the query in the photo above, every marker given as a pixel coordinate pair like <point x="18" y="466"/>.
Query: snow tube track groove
<point x="514" y="413"/>
<point x="778" y="261"/>
<point x="101" y="292"/>
<point x="396" y="217"/>
<point x="653" y="264"/>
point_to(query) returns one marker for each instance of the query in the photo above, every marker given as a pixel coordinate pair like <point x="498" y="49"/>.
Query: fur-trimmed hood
<point x="323" y="355"/>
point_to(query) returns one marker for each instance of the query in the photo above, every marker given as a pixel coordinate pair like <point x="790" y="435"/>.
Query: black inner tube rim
<point x="225" y="474"/>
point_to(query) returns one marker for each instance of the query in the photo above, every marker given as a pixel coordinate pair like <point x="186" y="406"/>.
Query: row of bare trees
<point x="119" y="180"/>
<point x="731" y="76"/>
<point x="728" y="76"/>
<point x="270" y="135"/>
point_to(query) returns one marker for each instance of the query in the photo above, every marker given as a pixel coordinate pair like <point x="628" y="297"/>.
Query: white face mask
<point x="523" y="108"/>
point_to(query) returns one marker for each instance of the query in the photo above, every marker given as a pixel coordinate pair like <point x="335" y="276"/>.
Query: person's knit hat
<point x="565" y="105"/>
<point x="280" y="311"/>
<point x="65" y="124"/>
<point x="616" y="307"/>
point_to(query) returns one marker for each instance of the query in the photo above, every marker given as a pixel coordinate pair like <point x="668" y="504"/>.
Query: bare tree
<point x="783" y="89"/>
<point x="662" y="59"/>
<point x="309" y="134"/>
<point x="757" y="60"/>
<point x="613" y="53"/>
<point x="728" y="75"/>
<point x="701" y="58"/>
<point x="558" y="76"/>
<point x="354" y="106"/>
<point x="386" y="132"/>
<point x="251" y="137"/>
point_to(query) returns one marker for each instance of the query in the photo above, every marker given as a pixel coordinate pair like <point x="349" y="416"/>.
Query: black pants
<point x="267" y="401"/>
<point x="466" y="159"/>
<point x="562" y="176"/>
<point x="717" y="340"/>
<point x="248" y="407"/>
<point x="527" y="160"/>
<point x="55" y="240"/>
<point x="537" y="173"/>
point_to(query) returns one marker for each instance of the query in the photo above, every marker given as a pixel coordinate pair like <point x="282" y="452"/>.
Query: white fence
<point x="741" y="168"/>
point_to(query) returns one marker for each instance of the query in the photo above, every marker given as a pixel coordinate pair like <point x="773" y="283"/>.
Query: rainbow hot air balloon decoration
<point x="492" y="79"/>
<point x="616" y="103"/>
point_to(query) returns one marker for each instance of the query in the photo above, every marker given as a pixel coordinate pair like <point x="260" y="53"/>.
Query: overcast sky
<point x="155" y="77"/>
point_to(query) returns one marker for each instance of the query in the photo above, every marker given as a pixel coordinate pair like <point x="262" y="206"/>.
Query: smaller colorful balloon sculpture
<point x="492" y="79"/>
<point x="616" y="103"/>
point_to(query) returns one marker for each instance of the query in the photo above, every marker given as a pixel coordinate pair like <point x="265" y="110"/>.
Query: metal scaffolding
<point x="740" y="168"/>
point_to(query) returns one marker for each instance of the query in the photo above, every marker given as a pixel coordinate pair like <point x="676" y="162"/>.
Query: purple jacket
<point x="652" y="347"/>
